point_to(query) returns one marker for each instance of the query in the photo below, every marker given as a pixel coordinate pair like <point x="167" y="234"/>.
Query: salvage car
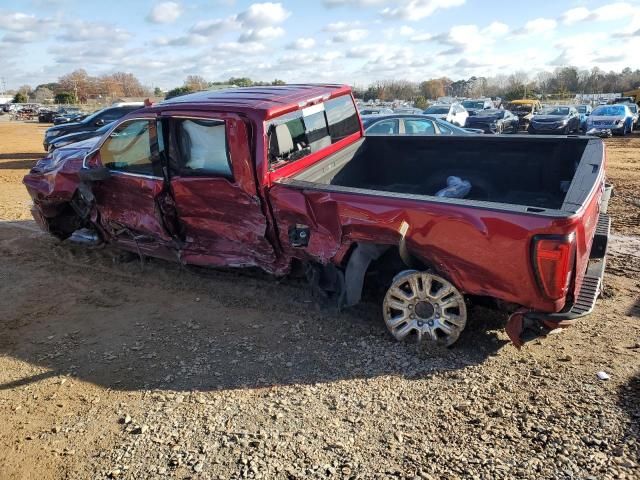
<point x="399" y="124"/>
<point x="525" y="109"/>
<point x="556" y="120"/>
<point x="92" y="122"/>
<point x="453" y="113"/>
<point x="475" y="106"/>
<point x="616" y="118"/>
<point x="281" y="176"/>
<point x="494" y="121"/>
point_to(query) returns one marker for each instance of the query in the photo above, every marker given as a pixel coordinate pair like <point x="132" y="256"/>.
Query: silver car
<point x="617" y="119"/>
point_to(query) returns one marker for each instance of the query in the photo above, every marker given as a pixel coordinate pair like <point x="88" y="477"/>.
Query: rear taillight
<point x="553" y="262"/>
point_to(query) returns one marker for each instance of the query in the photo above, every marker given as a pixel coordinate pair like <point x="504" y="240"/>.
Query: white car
<point x="452" y="113"/>
<point x="634" y="111"/>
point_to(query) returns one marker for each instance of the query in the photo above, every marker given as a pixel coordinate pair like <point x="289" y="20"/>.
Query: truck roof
<point x="269" y="101"/>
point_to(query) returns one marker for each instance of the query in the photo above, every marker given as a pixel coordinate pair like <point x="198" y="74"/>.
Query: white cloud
<point x="340" y="26"/>
<point x="615" y="11"/>
<point x="302" y="44"/>
<point x="470" y="37"/>
<point x="165" y="12"/>
<point x="538" y="25"/>
<point x="248" y="48"/>
<point x="81" y="31"/>
<point x="350" y="36"/>
<point x="213" y="27"/>
<point x="366" y="51"/>
<point x="263" y="14"/>
<point x="418" y="9"/>
<point x="20" y="37"/>
<point x="261" y="34"/>
<point x="496" y="29"/>
<point x="352" y="3"/>
<point x="575" y="15"/>
<point x="19" y="22"/>
<point x="604" y="13"/>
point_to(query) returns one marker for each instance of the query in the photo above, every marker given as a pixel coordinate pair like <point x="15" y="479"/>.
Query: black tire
<point x="567" y="130"/>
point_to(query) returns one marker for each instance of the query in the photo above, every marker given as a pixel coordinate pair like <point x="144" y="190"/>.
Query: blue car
<point x="616" y="118"/>
<point x="584" y="111"/>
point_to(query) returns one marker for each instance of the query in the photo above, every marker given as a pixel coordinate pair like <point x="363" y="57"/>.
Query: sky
<point x="341" y="41"/>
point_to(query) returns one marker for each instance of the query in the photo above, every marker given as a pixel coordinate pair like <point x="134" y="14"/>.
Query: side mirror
<point x="99" y="123"/>
<point x="588" y="113"/>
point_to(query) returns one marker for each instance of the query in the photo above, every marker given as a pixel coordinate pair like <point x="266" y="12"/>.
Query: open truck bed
<point x="381" y="190"/>
<point x="549" y="175"/>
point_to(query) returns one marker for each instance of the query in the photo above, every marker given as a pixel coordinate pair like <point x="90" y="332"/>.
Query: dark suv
<point x="90" y="123"/>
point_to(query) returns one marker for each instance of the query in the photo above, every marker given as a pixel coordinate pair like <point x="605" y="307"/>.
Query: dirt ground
<point x="123" y="370"/>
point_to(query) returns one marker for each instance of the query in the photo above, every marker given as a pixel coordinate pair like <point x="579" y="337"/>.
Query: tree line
<point x="80" y="87"/>
<point x="563" y="82"/>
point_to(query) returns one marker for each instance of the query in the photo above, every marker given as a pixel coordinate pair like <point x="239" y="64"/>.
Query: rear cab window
<point x="297" y="134"/>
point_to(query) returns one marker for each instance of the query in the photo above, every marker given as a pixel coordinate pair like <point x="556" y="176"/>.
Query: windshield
<point x="91" y="117"/>
<point x="561" y="111"/>
<point x="490" y="113"/>
<point x="609" y="111"/>
<point x="633" y="108"/>
<point x="437" y="110"/>
<point x="582" y="108"/>
<point x="514" y="107"/>
<point x="473" y="104"/>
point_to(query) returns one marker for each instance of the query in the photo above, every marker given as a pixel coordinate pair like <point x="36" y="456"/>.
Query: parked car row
<point x="60" y="115"/>
<point x="54" y="137"/>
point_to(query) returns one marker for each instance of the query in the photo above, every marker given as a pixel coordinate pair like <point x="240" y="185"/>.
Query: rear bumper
<point x="591" y="287"/>
<point x="524" y="326"/>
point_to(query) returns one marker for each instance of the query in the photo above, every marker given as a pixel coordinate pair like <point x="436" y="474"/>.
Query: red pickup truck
<point x="281" y="177"/>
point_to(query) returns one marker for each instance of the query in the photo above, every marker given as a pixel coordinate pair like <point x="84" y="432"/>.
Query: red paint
<point x="245" y="220"/>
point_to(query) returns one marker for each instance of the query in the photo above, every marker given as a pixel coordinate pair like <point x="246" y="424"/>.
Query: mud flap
<point x="357" y="266"/>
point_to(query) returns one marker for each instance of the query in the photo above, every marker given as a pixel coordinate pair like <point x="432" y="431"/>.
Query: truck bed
<point x="523" y="173"/>
<point x="381" y="190"/>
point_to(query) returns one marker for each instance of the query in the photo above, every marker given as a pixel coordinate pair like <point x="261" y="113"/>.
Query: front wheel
<point x="426" y="306"/>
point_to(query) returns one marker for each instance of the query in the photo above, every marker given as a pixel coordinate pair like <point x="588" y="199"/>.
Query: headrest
<point x="285" y="142"/>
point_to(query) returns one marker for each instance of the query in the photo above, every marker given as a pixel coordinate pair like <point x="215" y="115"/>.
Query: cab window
<point x="202" y="146"/>
<point x="128" y="148"/>
<point x="297" y="134"/>
<point x="419" y="127"/>
<point x="384" y="127"/>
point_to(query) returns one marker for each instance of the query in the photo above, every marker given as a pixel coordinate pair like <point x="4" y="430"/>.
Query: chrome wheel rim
<point x="426" y="306"/>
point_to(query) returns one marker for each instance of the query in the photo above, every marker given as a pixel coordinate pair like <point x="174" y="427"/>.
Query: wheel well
<point x="65" y="223"/>
<point x="371" y="268"/>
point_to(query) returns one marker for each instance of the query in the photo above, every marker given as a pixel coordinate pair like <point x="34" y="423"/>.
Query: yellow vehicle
<point x="635" y="94"/>
<point x="524" y="109"/>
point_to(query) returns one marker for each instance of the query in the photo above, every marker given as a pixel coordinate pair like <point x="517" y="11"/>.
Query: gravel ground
<point x="121" y="370"/>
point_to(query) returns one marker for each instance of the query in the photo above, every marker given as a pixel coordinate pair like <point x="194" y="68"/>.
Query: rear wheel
<point x="426" y="306"/>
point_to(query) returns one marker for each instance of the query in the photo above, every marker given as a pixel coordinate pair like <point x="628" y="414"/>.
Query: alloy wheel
<point x="426" y="306"/>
